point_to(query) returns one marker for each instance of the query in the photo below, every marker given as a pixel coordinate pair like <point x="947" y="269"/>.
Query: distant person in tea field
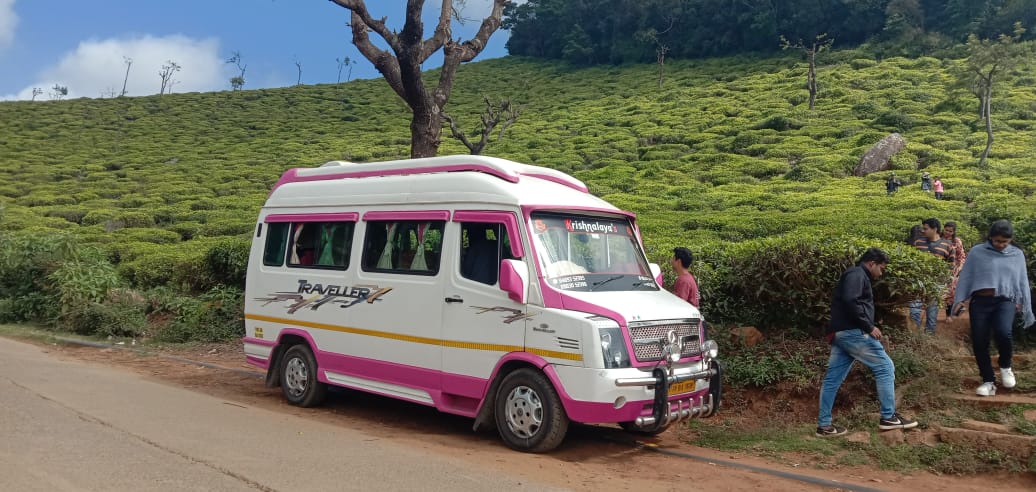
<point x="926" y="181"/>
<point x="854" y="337"/>
<point x="949" y="233"/>
<point x="937" y="185"/>
<point x="995" y="279"/>
<point x="936" y="245"/>
<point x="892" y="184"/>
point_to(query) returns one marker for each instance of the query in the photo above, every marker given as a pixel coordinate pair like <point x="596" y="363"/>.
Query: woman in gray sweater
<point x="995" y="279"/>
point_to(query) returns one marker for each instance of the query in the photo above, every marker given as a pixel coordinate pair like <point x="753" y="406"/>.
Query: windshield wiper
<point x="602" y="282"/>
<point x="642" y="282"/>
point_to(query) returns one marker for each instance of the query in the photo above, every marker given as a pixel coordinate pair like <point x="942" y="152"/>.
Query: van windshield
<point x="587" y="253"/>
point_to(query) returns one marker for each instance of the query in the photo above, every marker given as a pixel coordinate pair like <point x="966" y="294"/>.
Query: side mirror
<point x="656" y="271"/>
<point x="514" y="279"/>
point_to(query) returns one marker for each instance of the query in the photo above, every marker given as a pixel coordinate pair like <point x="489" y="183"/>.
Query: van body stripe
<point x="414" y="339"/>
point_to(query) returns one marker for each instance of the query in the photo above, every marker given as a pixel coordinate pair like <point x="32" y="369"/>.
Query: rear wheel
<point x="299" y="377"/>
<point x="529" y="414"/>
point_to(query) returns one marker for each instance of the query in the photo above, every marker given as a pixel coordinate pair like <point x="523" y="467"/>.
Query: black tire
<point x="529" y="415"/>
<point x="716" y="387"/>
<point x="299" y="377"/>
<point x="633" y="429"/>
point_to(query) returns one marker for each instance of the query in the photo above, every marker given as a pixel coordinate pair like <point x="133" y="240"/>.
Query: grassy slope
<point x="694" y="159"/>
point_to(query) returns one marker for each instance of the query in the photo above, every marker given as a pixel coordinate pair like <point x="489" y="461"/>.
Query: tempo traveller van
<point x="499" y="291"/>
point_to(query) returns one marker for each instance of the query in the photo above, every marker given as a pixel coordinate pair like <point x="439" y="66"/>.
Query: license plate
<point x="683" y="387"/>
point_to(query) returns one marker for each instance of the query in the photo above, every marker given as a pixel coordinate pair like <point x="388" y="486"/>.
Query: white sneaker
<point x="1007" y="378"/>
<point x="987" y="389"/>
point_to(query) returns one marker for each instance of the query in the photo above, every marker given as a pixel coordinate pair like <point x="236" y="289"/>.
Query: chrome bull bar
<point x="667" y="412"/>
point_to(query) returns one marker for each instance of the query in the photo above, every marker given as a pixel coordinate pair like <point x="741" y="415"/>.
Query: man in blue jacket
<point x="854" y="337"/>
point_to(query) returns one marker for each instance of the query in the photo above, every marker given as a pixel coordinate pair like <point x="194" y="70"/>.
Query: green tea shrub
<point x="859" y="63"/>
<point x="216" y="315"/>
<point x="785" y="283"/>
<point x="72" y="214"/>
<point x="46" y="276"/>
<point x="122" y="316"/>
<point x="895" y="120"/>
<point x="162" y="267"/>
<point x="226" y="262"/>
<point x="95" y="217"/>
<point x="135" y="219"/>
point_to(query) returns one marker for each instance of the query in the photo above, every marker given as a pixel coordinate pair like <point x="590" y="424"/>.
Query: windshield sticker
<point x="595" y="227"/>
<point x="569" y="282"/>
<point x="343" y="295"/>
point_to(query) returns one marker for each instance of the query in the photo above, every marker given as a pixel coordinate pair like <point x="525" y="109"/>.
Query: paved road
<point x="67" y="425"/>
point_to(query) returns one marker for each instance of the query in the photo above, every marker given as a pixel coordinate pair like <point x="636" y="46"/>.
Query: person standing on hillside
<point x="995" y="279"/>
<point x="854" y="337"/>
<point x="937" y="186"/>
<point x="892" y="184"/>
<point x="949" y="233"/>
<point x="686" y="287"/>
<point x="932" y="243"/>
<point x="926" y="181"/>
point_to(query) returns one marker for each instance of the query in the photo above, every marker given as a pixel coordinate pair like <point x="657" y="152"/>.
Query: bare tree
<point x="344" y="62"/>
<point x="401" y="67"/>
<point x="36" y="91"/>
<point x="654" y="37"/>
<point x="58" y="92"/>
<point x="988" y="63"/>
<point x="238" y="81"/>
<point x="298" y="66"/>
<point x="128" y="61"/>
<point x="820" y="43"/>
<point x="493" y="115"/>
<point x="166" y="74"/>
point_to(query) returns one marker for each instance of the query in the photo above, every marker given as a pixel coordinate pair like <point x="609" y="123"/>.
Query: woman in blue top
<point x="995" y="279"/>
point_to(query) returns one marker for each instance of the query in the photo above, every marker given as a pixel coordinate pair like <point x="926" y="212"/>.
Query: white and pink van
<point x="486" y="288"/>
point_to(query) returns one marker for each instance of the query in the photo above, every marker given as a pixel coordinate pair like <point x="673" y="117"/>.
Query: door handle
<point x="454" y="299"/>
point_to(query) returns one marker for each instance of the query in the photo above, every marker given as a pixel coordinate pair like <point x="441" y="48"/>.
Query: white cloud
<point x="8" y="23"/>
<point x="97" y="68"/>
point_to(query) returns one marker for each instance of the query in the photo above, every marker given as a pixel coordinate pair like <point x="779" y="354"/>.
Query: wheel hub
<point x="296" y="378"/>
<point x="524" y="412"/>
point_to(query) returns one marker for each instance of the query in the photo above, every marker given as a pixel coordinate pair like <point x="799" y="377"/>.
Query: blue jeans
<point x="849" y="346"/>
<point x="991" y="316"/>
<point x="931" y="314"/>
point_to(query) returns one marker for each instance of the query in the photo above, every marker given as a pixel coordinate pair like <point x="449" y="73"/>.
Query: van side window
<point x="484" y="245"/>
<point x="321" y="245"/>
<point x="276" y="243"/>
<point x="404" y="246"/>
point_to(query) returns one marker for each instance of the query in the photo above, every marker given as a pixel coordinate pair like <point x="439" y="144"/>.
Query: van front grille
<point x="650" y="336"/>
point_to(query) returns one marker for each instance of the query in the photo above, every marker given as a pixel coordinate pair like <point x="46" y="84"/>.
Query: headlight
<point x="710" y="349"/>
<point x="614" y="348"/>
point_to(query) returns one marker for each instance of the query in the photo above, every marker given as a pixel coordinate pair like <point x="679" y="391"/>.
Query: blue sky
<point x="83" y="45"/>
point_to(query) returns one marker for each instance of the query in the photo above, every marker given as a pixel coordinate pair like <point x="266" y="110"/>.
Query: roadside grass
<point x="29" y="332"/>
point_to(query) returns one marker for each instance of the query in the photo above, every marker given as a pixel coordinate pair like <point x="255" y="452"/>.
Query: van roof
<point x="500" y="168"/>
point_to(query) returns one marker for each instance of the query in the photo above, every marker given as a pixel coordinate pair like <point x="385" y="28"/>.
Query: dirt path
<point x="583" y="462"/>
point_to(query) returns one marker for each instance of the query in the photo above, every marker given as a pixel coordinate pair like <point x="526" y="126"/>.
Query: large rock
<point x="878" y="156"/>
<point x="749" y="335"/>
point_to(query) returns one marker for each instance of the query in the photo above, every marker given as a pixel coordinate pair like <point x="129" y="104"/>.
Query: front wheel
<point x="529" y="415"/>
<point x="299" y="377"/>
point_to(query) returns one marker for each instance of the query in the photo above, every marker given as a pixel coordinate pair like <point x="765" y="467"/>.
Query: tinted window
<point x="483" y="244"/>
<point x="405" y="246"/>
<point x="321" y="245"/>
<point x="276" y="242"/>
